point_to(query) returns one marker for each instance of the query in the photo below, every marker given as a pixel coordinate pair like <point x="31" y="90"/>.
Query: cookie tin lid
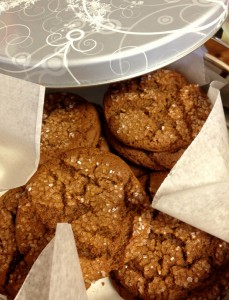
<point x="73" y="43"/>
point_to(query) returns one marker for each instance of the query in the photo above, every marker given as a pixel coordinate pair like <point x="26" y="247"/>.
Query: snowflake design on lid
<point x="7" y="5"/>
<point x="93" y="12"/>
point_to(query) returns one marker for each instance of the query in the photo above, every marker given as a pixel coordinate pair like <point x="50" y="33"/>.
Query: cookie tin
<point x="72" y="43"/>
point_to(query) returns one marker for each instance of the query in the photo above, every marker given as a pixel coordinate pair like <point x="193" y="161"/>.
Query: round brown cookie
<point x="151" y="113"/>
<point x="159" y="161"/>
<point x="8" y="248"/>
<point x="167" y="259"/>
<point x="69" y="121"/>
<point x="93" y="190"/>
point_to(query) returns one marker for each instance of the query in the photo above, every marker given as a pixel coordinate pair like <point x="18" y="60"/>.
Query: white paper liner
<point x="56" y="274"/>
<point x="20" y="125"/>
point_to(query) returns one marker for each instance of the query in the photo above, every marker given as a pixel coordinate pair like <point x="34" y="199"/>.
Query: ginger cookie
<point x="69" y="121"/>
<point x="156" y="112"/>
<point x="170" y="260"/>
<point x="93" y="190"/>
<point x="69" y="184"/>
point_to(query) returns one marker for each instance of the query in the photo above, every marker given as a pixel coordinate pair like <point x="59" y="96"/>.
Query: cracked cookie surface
<point x="167" y="259"/>
<point x="93" y="190"/>
<point x="157" y="112"/>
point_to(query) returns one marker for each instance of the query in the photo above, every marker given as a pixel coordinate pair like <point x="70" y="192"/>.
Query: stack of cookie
<point x="150" y="121"/>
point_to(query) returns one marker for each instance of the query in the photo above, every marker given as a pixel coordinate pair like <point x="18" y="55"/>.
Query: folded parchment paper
<point x="56" y="274"/>
<point x="21" y="107"/>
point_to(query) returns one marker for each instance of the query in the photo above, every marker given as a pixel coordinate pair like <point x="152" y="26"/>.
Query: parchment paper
<point x="21" y="107"/>
<point x="56" y="274"/>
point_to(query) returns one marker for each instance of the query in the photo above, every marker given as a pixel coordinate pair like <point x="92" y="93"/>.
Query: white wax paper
<point x="21" y="107"/>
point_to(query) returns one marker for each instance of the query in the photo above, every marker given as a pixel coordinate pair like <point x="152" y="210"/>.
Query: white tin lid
<point x="73" y="43"/>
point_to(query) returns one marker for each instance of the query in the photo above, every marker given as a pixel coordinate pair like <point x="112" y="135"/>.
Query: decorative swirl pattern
<point x="84" y="42"/>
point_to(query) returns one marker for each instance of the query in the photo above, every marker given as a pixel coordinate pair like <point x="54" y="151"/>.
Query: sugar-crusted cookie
<point x="156" y="112"/>
<point x="93" y="190"/>
<point x="170" y="260"/>
<point x="69" y="121"/>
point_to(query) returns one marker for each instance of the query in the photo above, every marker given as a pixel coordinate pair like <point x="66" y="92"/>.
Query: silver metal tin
<point x="70" y="43"/>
